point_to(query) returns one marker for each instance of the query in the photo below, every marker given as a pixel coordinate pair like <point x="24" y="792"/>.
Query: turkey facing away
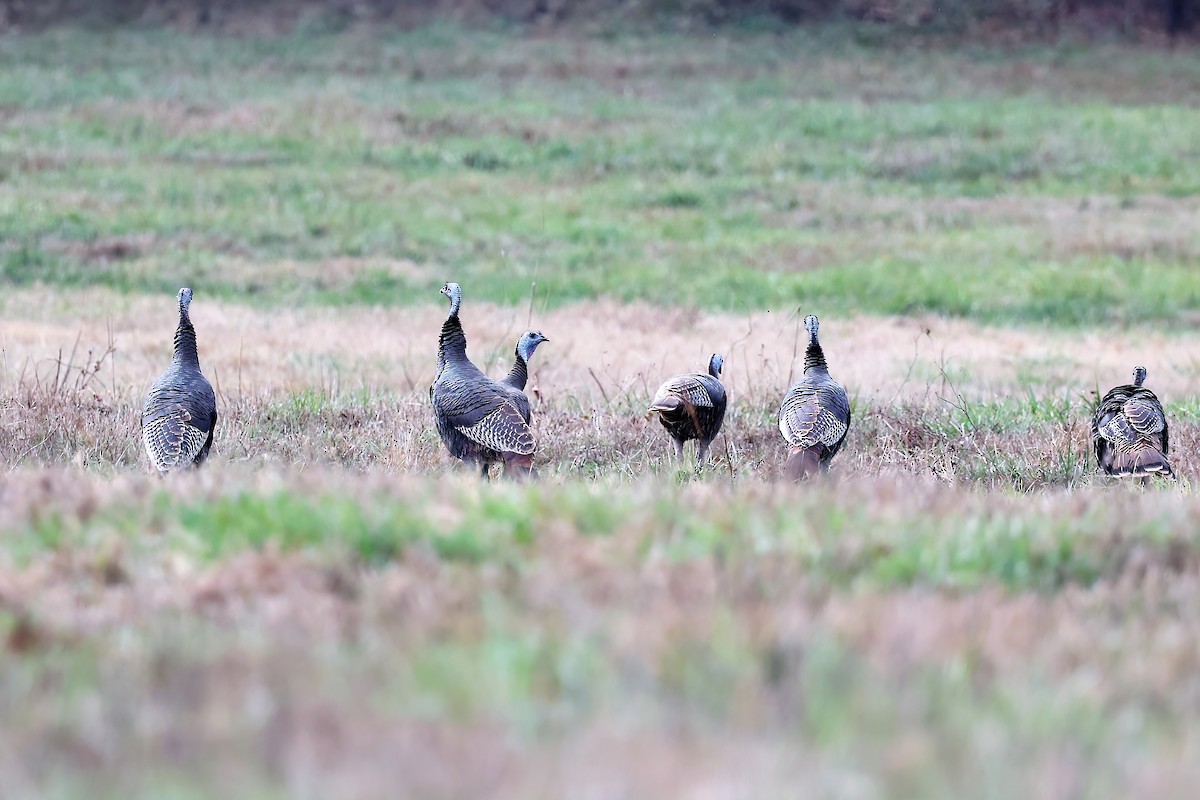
<point x="692" y="407"/>
<point x="477" y="418"/>
<point x="815" y="414"/>
<point x="180" y="414"/>
<point x="1129" y="431"/>
<point x="518" y="376"/>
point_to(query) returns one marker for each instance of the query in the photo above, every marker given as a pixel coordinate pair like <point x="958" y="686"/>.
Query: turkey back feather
<point x="180" y="414"/>
<point x="692" y="407"/>
<point x="814" y="416"/>
<point x="1130" y="436"/>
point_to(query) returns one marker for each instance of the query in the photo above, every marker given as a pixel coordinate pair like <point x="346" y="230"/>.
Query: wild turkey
<point x="692" y="407"/>
<point x="181" y="410"/>
<point x="518" y="376"/>
<point x="477" y="418"/>
<point x="815" y="414"/>
<point x="1129" y="431"/>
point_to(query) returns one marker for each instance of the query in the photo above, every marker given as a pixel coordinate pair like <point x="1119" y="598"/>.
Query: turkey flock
<point x="482" y="421"/>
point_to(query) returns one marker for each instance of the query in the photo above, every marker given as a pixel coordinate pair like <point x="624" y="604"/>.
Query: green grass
<point x="750" y="171"/>
<point x="835" y="543"/>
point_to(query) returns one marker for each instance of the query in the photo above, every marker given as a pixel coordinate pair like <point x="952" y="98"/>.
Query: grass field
<point x="333" y="609"/>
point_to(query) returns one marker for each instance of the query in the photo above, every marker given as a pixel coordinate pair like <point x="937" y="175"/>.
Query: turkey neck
<point x="453" y="342"/>
<point x="518" y="376"/>
<point x="185" y="342"/>
<point x="814" y="357"/>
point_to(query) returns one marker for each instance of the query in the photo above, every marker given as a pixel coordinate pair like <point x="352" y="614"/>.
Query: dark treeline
<point x="976" y="18"/>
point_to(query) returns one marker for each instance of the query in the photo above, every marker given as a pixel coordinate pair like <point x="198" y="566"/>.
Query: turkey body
<point x="477" y="418"/>
<point x="814" y="417"/>
<point x="1129" y="431"/>
<point x="180" y="414"/>
<point x="692" y="407"/>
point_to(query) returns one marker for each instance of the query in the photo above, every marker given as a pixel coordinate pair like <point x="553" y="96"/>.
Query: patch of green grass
<point x="1010" y="414"/>
<point x="836" y="542"/>
<point x="757" y="171"/>
<point x="375" y="531"/>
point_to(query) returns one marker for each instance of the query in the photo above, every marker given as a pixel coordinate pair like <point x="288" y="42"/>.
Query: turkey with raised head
<point x="815" y="414"/>
<point x="1129" y="431"/>
<point x="692" y="407"/>
<point x="180" y="414"/>
<point x="518" y="376"/>
<point x="477" y="418"/>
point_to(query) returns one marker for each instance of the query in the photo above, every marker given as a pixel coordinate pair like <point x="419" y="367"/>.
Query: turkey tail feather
<point x="1143" y="461"/>
<point x="667" y="403"/>
<point x="803" y="462"/>
<point x="519" y="465"/>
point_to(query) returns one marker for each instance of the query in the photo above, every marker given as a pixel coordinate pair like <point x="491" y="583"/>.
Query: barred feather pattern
<point x="174" y="439"/>
<point x="817" y="416"/>
<point x="478" y="420"/>
<point x="502" y="431"/>
<point x="693" y="389"/>
<point x="180" y="414"/>
<point x="692" y="407"/>
<point x="1129" y="432"/>
<point x="814" y="416"/>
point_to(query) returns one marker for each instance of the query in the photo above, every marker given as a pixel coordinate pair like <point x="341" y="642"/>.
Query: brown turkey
<point x="1129" y="431"/>
<point x="692" y="407"/>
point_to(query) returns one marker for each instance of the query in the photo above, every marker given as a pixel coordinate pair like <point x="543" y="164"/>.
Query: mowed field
<point x="331" y="608"/>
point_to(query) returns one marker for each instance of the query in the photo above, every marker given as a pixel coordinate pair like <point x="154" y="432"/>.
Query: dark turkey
<point x="477" y="418"/>
<point x="518" y="376"/>
<point x="692" y="407"/>
<point x="815" y="414"/>
<point x="180" y="414"/>
<point x="1129" y="431"/>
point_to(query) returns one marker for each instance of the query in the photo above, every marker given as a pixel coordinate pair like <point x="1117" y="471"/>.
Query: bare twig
<point x="599" y="386"/>
<point x="728" y="457"/>
<point x="959" y="402"/>
<point x="408" y="378"/>
<point x="217" y="386"/>
<point x="28" y="451"/>
<point x="532" y="294"/>
<point x="911" y="364"/>
<point x="112" y="362"/>
<point x="57" y="368"/>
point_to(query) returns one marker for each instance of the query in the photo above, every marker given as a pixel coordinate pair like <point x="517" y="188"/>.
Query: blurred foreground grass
<point x="739" y="170"/>
<point x="447" y="638"/>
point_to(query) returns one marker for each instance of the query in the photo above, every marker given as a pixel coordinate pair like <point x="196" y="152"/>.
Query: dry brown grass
<point x="348" y="386"/>
<point x="630" y="348"/>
